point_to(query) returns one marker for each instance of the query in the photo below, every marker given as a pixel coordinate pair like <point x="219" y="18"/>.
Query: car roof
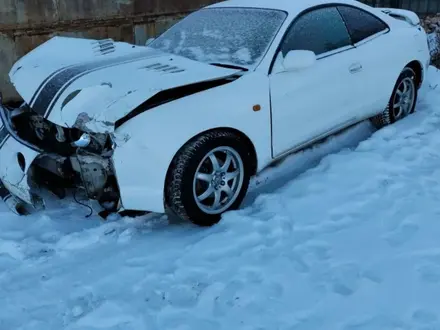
<point x="291" y="6"/>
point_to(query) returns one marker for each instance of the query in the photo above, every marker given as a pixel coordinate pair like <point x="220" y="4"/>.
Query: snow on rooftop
<point x="291" y="6"/>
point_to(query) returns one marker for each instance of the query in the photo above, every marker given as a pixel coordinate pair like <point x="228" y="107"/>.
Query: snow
<point x="292" y="7"/>
<point x="434" y="45"/>
<point x="341" y="236"/>
<point x="212" y="35"/>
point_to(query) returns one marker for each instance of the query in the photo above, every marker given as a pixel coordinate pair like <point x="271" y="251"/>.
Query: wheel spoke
<point x="411" y="94"/>
<point x="227" y="162"/>
<point x="216" y="189"/>
<point x="228" y="190"/>
<point x="405" y="87"/>
<point x="407" y="107"/>
<point x="204" y="177"/>
<point x="206" y="194"/>
<point x="217" y="199"/>
<point x="405" y="94"/>
<point x="231" y="175"/>
<point x="214" y="161"/>
<point x="399" y="113"/>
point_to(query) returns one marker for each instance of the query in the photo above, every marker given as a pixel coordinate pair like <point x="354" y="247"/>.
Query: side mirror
<point x="149" y="41"/>
<point x="299" y="59"/>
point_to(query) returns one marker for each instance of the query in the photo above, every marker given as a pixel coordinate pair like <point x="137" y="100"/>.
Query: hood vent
<point x="165" y="68"/>
<point x="103" y="47"/>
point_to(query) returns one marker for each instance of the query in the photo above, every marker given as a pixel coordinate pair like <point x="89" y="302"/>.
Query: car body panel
<point x="142" y="177"/>
<point x="407" y="15"/>
<point x="105" y="83"/>
<point x="293" y="8"/>
<point x="332" y="104"/>
<point x="15" y="178"/>
<point x="31" y="71"/>
<point x="380" y="73"/>
<point x="116" y="79"/>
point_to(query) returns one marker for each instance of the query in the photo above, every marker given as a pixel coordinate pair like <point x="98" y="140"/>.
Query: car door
<point x="376" y="51"/>
<point x="310" y="103"/>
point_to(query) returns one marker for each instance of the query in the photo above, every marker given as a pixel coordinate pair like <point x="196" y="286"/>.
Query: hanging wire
<point x="83" y="204"/>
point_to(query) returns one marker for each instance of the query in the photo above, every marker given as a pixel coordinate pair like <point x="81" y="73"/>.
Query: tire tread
<point x="180" y="163"/>
<point x="385" y="118"/>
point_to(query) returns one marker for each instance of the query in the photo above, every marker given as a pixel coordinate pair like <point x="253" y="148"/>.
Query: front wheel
<point x="209" y="176"/>
<point x="402" y="101"/>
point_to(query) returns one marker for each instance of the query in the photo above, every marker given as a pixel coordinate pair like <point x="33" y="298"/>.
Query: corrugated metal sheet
<point x="25" y="24"/>
<point x="422" y="7"/>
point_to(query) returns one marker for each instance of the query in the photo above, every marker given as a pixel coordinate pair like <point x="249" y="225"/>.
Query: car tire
<point x="209" y="176"/>
<point x="392" y="113"/>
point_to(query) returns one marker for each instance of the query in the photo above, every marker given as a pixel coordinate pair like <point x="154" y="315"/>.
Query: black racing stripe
<point x="58" y="82"/>
<point x="49" y="91"/>
<point x="88" y="70"/>
<point x="44" y="83"/>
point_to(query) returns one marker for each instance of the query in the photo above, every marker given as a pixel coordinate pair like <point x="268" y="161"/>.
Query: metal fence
<point x="25" y="24"/>
<point x="421" y="7"/>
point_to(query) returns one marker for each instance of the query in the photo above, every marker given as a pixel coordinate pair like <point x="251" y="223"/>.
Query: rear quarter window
<point x="361" y="24"/>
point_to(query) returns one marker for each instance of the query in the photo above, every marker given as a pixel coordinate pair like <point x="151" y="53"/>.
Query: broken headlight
<point x="53" y="138"/>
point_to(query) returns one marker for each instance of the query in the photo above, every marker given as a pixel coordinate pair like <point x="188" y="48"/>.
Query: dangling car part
<point x="182" y="124"/>
<point x="54" y="157"/>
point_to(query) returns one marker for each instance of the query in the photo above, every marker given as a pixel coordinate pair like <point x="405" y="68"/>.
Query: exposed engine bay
<point x="69" y="157"/>
<point x="52" y="138"/>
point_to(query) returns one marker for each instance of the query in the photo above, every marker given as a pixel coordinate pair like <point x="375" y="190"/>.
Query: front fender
<point x="147" y="144"/>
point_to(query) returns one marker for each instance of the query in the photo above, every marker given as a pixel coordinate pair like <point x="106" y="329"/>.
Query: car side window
<point x="360" y="23"/>
<point x="321" y="30"/>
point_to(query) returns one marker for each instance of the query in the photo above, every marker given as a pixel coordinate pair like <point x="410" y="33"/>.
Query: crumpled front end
<point x="77" y="97"/>
<point x="38" y="155"/>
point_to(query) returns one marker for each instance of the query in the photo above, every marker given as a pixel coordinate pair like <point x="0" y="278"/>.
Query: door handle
<point x="356" y="67"/>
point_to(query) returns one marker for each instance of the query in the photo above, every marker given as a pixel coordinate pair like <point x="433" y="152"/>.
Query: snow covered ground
<point x="342" y="236"/>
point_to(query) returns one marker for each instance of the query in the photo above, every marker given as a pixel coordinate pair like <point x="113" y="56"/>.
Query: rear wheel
<point x="402" y="101"/>
<point x="208" y="177"/>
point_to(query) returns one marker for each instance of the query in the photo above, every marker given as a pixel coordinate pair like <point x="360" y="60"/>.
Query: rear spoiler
<point x="402" y="14"/>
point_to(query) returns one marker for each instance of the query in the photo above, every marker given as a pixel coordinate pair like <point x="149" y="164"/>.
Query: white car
<point x="182" y="124"/>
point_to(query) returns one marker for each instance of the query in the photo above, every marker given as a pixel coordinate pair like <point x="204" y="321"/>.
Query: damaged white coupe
<point x="182" y="124"/>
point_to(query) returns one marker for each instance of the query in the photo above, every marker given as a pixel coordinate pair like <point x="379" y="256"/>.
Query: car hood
<point x="92" y="84"/>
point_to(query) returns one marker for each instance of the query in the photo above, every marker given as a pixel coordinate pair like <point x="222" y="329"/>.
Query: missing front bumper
<point x="26" y="170"/>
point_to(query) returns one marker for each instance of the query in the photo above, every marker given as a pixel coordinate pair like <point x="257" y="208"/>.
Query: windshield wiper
<point x="230" y="66"/>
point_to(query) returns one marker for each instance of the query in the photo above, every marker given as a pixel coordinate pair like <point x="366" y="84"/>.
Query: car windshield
<point x="234" y="36"/>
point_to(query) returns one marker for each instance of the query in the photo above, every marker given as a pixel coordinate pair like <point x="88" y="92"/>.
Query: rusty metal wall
<point x="24" y="24"/>
<point x="421" y="7"/>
